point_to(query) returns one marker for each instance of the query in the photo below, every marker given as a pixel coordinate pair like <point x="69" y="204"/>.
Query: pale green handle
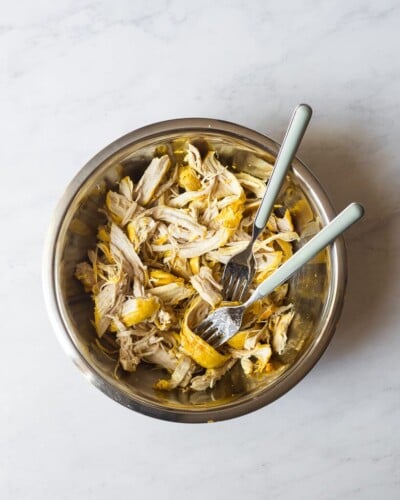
<point x="351" y="214"/>
<point x="290" y="144"/>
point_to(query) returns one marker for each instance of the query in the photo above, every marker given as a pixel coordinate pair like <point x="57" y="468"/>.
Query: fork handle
<point x="290" y="144"/>
<point x="351" y="214"/>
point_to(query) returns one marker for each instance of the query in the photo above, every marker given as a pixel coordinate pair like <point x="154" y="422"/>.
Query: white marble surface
<point x="74" y="75"/>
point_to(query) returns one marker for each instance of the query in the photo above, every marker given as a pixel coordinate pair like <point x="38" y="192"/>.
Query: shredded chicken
<point x="206" y="286"/>
<point x="210" y="242"/>
<point x="173" y="293"/>
<point x="279" y="337"/>
<point x="122" y="250"/>
<point x="254" y="185"/>
<point x="261" y="352"/>
<point x="104" y="302"/>
<point x="120" y="208"/>
<point x="210" y="377"/>
<point x="155" y="272"/>
<point x="151" y="179"/>
<point x="178" y="218"/>
<point x="180" y="376"/>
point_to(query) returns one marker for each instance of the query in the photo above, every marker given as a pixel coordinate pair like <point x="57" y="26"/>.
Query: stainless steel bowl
<point x="317" y="290"/>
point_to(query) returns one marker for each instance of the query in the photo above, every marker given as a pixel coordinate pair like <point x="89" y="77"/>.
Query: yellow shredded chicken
<point x="156" y="270"/>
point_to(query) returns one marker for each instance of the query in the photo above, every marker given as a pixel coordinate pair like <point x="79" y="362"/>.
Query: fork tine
<point x="226" y="288"/>
<point x="244" y="290"/>
<point x="229" y="288"/>
<point x="239" y="285"/>
<point x="215" y="337"/>
<point x="203" y="330"/>
<point x="209" y="333"/>
<point x="240" y="289"/>
<point x="225" y="276"/>
<point x="234" y="288"/>
<point x="203" y="326"/>
<point x="231" y="282"/>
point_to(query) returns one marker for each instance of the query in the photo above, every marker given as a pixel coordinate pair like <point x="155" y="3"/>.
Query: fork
<point x="239" y="271"/>
<point x="225" y="322"/>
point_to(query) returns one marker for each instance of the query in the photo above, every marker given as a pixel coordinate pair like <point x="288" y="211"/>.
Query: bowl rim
<point x="236" y="408"/>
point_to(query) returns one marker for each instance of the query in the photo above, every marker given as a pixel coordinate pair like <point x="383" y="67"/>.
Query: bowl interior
<point x="312" y="289"/>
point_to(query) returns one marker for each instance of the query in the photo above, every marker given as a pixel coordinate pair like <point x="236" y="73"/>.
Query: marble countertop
<point x="75" y="75"/>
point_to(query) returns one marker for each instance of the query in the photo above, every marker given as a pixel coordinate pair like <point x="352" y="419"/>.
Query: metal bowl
<point x="317" y="290"/>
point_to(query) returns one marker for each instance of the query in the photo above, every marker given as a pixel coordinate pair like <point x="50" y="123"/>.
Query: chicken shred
<point x="206" y="286"/>
<point x="156" y="270"/>
<point x="151" y="179"/>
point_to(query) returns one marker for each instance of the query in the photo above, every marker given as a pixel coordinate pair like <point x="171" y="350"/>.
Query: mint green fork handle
<point x="290" y="144"/>
<point x="351" y="214"/>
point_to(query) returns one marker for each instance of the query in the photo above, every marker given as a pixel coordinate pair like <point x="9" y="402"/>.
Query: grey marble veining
<point x="76" y="75"/>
